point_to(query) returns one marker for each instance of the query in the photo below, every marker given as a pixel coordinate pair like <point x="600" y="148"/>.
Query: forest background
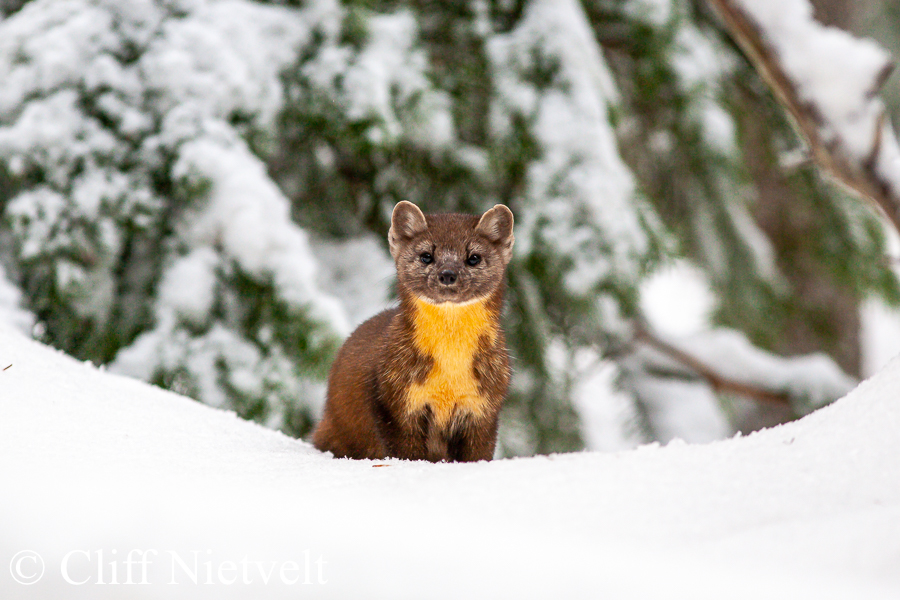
<point x="196" y="193"/>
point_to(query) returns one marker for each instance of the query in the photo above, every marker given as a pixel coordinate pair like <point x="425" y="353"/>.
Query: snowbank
<point x="111" y="480"/>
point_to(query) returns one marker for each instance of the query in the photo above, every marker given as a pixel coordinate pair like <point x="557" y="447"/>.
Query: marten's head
<point x="453" y="257"/>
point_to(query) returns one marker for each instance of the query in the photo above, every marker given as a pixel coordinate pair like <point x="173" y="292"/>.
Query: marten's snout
<point x="448" y="277"/>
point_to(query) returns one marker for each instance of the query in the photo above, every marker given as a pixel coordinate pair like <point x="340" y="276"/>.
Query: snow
<point x="359" y="272"/>
<point x="810" y="380"/>
<point x="879" y="335"/>
<point x="221" y="59"/>
<point x="607" y="414"/>
<point x="580" y="197"/>
<point x="131" y="115"/>
<point x="11" y="312"/>
<point x="682" y="409"/>
<point x="677" y="300"/>
<point x="657" y="13"/>
<point x="188" y="290"/>
<point x="834" y="72"/>
<point x="888" y="163"/>
<point x="879" y="323"/>
<point x="68" y="36"/>
<point x="248" y="216"/>
<point x="673" y="401"/>
<point x="386" y="82"/>
<point x="97" y="468"/>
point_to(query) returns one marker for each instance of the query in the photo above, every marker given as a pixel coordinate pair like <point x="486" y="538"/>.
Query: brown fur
<point x="426" y="380"/>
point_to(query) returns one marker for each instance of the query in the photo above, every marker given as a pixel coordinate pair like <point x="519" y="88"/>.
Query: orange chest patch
<point x="450" y="334"/>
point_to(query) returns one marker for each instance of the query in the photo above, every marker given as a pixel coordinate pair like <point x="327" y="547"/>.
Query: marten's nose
<point x="447" y="277"/>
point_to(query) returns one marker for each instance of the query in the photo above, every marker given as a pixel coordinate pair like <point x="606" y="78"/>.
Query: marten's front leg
<point x="473" y="438"/>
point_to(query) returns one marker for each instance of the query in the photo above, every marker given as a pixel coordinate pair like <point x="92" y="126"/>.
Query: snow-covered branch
<point x="828" y="81"/>
<point x="727" y="361"/>
<point x="718" y="382"/>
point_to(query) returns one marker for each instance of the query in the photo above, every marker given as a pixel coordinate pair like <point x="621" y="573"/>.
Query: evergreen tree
<point x="142" y="229"/>
<point x="197" y="193"/>
<point x="789" y="255"/>
<point x="485" y="105"/>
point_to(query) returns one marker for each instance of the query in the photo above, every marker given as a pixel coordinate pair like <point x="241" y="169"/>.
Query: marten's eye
<point x="473" y="260"/>
<point x="426" y="258"/>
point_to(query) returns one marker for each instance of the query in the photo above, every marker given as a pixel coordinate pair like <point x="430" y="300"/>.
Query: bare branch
<point x="873" y="173"/>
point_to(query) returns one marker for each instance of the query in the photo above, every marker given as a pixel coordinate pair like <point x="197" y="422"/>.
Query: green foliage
<point x="344" y="176"/>
<point x="789" y="255"/>
<point x="101" y="202"/>
<point x="830" y="248"/>
<point x="455" y="106"/>
<point x="10" y="7"/>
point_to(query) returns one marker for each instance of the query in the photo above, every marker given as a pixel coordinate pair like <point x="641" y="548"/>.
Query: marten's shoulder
<point x="371" y="334"/>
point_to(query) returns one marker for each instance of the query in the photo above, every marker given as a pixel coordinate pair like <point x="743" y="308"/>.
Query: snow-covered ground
<point x="128" y="491"/>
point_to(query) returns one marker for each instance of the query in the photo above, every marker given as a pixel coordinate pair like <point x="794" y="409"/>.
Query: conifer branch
<point x="875" y="175"/>
<point x="718" y="382"/>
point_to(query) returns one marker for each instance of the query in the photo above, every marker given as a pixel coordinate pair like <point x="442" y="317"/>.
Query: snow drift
<point x="124" y="490"/>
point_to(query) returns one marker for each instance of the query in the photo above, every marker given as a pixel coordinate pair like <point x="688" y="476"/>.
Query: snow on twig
<point x="718" y="382"/>
<point x="730" y="364"/>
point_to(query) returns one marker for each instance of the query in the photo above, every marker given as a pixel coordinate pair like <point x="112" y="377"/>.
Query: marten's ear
<point x="407" y="221"/>
<point x="497" y="226"/>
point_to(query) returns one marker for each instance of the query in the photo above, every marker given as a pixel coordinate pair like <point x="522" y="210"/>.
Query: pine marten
<point x="425" y="380"/>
